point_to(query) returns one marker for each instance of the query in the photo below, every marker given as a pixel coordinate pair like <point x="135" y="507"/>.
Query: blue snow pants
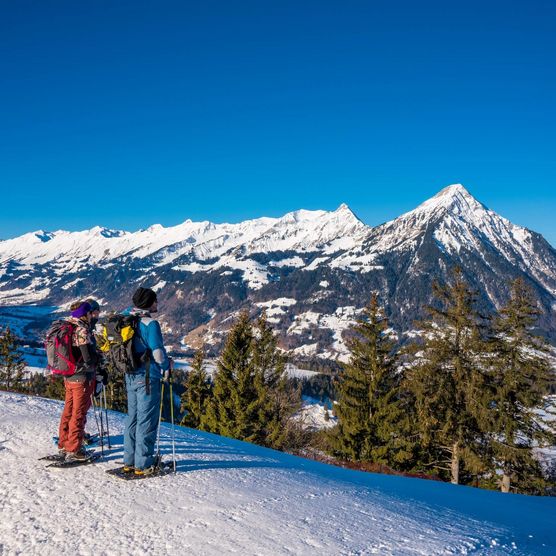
<point x="142" y="420"/>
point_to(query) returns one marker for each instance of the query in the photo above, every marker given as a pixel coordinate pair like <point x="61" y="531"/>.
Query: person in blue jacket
<point x="143" y="387"/>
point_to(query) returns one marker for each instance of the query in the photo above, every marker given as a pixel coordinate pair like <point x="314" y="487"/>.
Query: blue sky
<point x="127" y="113"/>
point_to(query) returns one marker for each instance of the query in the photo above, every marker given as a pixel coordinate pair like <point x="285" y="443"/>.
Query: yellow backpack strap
<point x="127" y="333"/>
<point x="103" y="341"/>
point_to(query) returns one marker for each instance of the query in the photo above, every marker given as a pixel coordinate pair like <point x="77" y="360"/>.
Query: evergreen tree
<point x="197" y="392"/>
<point x="252" y="398"/>
<point x="368" y="408"/>
<point x="12" y="364"/>
<point x="446" y="381"/>
<point x="233" y="403"/>
<point x="37" y="384"/>
<point x="277" y="398"/>
<point x="520" y="377"/>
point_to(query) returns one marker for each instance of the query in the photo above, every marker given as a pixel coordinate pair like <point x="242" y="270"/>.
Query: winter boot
<point x="147" y="471"/>
<point x="80" y="455"/>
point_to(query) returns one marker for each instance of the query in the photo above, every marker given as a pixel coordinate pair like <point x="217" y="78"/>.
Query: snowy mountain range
<point x="232" y="497"/>
<point x="312" y="271"/>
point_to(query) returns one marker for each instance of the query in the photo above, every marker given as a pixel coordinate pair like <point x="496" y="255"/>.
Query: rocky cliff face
<point x="311" y="271"/>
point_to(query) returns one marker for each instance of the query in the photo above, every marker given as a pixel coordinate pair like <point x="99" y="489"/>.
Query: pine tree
<point x="520" y="377"/>
<point x="368" y="407"/>
<point x="197" y="392"/>
<point x="446" y="381"/>
<point x="277" y="398"/>
<point x="37" y="384"/>
<point x="12" y="364"/>
<point x="231" y="407"/>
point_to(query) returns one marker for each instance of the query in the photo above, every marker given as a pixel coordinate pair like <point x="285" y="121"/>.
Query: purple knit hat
<point x="82" y="310"/>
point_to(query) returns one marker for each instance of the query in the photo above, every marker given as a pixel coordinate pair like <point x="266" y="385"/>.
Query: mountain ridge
<point x="326" y="263"/>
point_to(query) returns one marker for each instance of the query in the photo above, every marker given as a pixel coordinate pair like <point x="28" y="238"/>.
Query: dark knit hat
<point x="143" y="298"/>
<point x="94" y="304"/>
<point x="81" y="310"/>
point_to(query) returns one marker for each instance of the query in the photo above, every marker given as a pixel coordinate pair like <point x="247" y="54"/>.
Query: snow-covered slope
<point x="230" y="497"/>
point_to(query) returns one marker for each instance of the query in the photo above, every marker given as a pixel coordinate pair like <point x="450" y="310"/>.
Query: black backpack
<point x="115" y="341"/>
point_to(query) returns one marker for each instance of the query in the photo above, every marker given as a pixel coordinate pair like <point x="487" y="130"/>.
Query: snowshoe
<point x="124" y="469"/>
<point x="60" y="456"/>
<point x="72" y="461"/>
<point x="163" y="468"/>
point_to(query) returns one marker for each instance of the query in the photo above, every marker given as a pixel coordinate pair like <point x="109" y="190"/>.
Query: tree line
<point x="466" y="399"/>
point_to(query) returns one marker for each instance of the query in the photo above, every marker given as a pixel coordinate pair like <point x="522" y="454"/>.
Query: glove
<point x="168" y="374"/>
<point x="102" y="374"/>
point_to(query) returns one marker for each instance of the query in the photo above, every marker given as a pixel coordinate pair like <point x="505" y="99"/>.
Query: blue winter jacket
<point x="150" y="337"/>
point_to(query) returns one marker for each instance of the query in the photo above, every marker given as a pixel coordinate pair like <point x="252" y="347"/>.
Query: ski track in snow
<point x="230" y="497"/>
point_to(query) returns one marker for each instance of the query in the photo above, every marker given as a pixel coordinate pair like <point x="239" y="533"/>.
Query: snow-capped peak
<point x="455" y="199"/>
<point x="457" y="220"/>
<point x="306" y="230"/>
<point x="346" y="213"/>
<point x="452" y="190"/>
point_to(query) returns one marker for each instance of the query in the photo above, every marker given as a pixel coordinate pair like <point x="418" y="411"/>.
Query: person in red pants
<point x="79" y="386"/>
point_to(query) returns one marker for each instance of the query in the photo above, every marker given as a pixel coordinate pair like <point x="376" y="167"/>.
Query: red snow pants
<point x="74" y="416"/>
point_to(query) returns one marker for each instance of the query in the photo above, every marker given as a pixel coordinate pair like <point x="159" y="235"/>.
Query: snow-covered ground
<point x="230" y="497"/>
<point x="294" y="371"/>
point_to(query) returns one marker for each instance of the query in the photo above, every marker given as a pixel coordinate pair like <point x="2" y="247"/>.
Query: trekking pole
<point x="159" y="421"/>
<point x="98" y="426"/>
<point x="99" y="406"/>
<point x="173" y="427"/>
<point x="106" y="415"/>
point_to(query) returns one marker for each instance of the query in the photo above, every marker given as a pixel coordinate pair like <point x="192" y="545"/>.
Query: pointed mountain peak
<point x="451" y="190"/>
<point x="343" y="209"/>
<point x="454" y="198"/>
<point x="344" y="212"/>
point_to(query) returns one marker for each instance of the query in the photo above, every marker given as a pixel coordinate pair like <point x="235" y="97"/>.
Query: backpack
<point x="115" y="341"/>
<point x="59" y="352"/>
